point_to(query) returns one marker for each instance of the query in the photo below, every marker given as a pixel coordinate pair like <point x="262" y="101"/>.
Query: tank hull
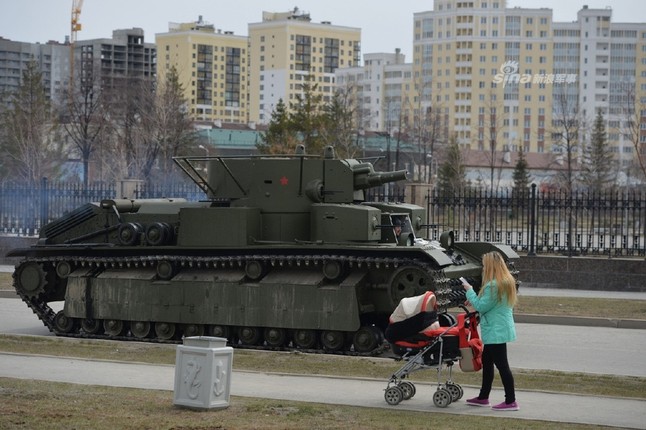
<point x="316" y="290"/>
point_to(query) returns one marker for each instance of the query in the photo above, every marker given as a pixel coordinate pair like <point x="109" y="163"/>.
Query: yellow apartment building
<point x="499" y="73"/>
<point x="212" y="66"/>
<point x="287" y="50"/>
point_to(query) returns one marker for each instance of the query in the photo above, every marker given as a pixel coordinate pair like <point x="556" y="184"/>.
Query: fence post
<point x="532" y="222"/>
<point x="428" y="213"/>
<point x="44" y="203"/>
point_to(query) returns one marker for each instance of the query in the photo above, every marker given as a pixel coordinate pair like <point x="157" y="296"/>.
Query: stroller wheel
<point x="442" y="398"/>
<point x="393" y="395"/>
<point x="408" y="390"/>
<point x="456" y="391"/>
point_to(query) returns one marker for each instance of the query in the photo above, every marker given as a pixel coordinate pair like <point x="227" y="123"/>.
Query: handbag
<point x="471" y="360"/>
<point x="471" y="347"/>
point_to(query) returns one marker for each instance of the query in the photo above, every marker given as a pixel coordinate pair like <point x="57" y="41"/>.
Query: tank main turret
<point x="289" y="181"/>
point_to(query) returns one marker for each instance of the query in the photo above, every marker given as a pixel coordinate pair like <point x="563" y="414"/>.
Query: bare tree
<point x="490" y="124"/>
<point x="567" y="123"/>
<point x="166" y="128"/>
<point x="127" y="103"/>
<point x="428" y="128"/>
<point x="83" y="116"/>
<point x="31" y="147"/>
<point x="634" y="115"/>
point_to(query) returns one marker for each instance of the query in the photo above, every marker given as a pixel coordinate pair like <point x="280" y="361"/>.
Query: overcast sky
<point x="385" y="25"/>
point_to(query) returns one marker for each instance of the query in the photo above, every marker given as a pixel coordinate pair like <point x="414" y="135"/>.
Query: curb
<point x="580" y="321"/>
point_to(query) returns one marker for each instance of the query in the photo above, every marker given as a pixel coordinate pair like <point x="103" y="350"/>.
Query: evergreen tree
<point x="280" y="137"/>
<point x="338" y="130"/>
<point x="521" y="176"/>
<point x="599" y="168"/>
<point x="308" y="118"/>
<point x="452" y="173"/>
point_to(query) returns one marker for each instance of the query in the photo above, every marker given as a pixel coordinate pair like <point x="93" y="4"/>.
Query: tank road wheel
<point x="31" y="279"/>
<point x="63" y="269"/>
<point x="255" y="270"/>
<point x="219" y="331"/>
<point x="91" y="326"/>
<point x="393" y="395"/>
<point x="332" y="270"/>
<point x="408" y="282"/>
<point x="158" y="233"/>
<point x="249" y="335"/>
<point x="441" y="398"/>
<point x="333" y="340"/>
<point x="63" y="323"/>
<point x="276" y="337"/>
<point x="305" y="339"/>
<point x="113" y="327"/>
<point x="164" y="331"/>
<point x="367" y="338"/>
<point x="129" y="233"/>
<point x="165" y="270"/>
<point x="191" y="330"/>
<point x="140" y="329"/>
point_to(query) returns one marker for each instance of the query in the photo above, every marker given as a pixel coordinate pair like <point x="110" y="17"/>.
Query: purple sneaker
<point x="478" y="402"/>
<point x="513" y="406"/>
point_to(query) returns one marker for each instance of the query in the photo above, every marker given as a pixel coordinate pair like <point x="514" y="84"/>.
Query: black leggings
<point x="410" y="326"/>
<point x="496" y="354"/>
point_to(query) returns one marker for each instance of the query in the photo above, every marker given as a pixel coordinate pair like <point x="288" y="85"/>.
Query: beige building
<point x="287" y="50"/>
<point x="212" y="67"/>
<point x="498" y="73"/>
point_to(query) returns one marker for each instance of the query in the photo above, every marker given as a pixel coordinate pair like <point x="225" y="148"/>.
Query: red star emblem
<point x="284" y="180"/>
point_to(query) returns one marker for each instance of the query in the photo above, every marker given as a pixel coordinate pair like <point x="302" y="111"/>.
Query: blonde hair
<point x="495" y="269"/>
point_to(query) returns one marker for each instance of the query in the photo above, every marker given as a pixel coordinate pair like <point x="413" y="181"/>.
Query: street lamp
<point x="205" y="149"/>
<point x="429" y="164"/>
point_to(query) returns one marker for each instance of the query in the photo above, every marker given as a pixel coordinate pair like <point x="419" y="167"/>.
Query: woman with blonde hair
<point x="495" y="304"/>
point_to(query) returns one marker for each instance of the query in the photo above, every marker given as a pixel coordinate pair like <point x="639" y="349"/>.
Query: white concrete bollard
<point x="203" y="373"/>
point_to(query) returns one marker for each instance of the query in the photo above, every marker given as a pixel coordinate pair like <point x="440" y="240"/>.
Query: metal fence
<point x="555" y="222"/>
<point x="548" y="222"/>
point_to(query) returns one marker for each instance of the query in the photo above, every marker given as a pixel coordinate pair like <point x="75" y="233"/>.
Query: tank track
<point x="447" y="291"/>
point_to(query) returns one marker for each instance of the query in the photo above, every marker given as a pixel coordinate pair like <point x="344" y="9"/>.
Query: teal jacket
<point x="496" y="318"/>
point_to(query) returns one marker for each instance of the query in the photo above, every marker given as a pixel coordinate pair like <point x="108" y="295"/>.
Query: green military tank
<point x="284" y="253"/>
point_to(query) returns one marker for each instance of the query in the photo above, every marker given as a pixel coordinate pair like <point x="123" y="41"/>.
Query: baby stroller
<point x="431" y="347"/>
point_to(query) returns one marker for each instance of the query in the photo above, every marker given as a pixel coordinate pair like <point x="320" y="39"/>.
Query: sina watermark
<point x="509" y="75"/>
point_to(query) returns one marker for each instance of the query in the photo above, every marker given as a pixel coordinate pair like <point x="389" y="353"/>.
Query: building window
<point x="331" y="55"/>
<point x="232" y="77"/>
<point x="303" y="52"/>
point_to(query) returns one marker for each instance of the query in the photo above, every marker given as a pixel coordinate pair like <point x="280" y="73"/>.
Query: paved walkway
<point x="534" y="405"/>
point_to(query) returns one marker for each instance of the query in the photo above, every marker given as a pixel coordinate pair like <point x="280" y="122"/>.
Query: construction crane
<point x="75" y="28"/>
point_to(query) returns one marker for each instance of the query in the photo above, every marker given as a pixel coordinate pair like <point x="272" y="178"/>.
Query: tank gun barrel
<point x="368" y="179"/>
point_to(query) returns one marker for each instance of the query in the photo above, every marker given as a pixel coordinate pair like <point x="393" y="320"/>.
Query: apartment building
<point x="212" y="66"/>
<point x="381" y="89"/>
<point x="52" y="58"/>
<point x="111" y="61"/>
<point x="287" y="50"/>
<point x="499" y="72"/>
